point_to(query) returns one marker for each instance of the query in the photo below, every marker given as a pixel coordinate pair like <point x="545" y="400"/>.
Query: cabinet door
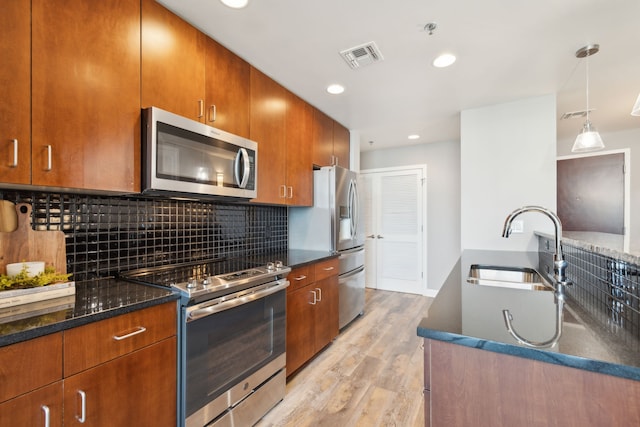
<point x="227" y="89"/>
<point x="42" y="407"/>
<point x="299" y="131"/>
<point x="268" y="115"/>
<point x="300" y="327"/>
<point x="86" y="94"/>
<point x="341" y="145"/>
<point x="326" y="313"/>
<point x="15" y="102"/>
<point x="138" y="389"/>
<point x="172" y="63"/>
<point x="322" y="139"/>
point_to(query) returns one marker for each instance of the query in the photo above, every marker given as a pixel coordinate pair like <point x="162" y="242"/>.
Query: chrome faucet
<point x="559" y="276"/>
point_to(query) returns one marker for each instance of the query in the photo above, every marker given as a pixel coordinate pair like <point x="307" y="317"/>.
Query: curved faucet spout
<point x="537" y="344"/>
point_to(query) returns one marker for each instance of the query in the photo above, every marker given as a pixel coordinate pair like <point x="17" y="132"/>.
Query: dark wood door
<point x="138" y="389"/>
<point x="322" y="139"/>
<point x="326" y="312"/>
<point x="591" y="193"/>
<point x="341" y="145"/>
<point x="267" y="119"/>
<point x="15" y="102"/>
<point x="173" y="63"/>
<point x="86" y="94"/>
<point x="38" y="408"/>
<point x="227" y="89"/>
<point x="299" y="130"/>
<point x="300" y="328"/>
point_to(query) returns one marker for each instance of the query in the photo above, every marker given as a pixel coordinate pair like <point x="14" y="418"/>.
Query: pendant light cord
<point x="588" y="55"/>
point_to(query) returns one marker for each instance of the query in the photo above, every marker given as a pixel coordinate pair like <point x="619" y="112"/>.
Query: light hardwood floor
<point x="371" y="375"/>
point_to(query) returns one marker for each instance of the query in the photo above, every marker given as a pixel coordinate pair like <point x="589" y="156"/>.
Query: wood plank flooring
<point x="371" y="375"/>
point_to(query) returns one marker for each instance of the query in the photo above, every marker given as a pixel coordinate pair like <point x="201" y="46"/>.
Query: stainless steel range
<point x="231" y="338"/>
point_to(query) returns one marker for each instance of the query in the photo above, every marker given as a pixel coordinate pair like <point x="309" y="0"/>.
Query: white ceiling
<point x="506" y="49"/>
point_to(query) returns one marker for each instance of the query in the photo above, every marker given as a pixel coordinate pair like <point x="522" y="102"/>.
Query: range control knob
<point x="270" y="266"/>
<point x="278" y="264"/>
<point x="192" y="283"/>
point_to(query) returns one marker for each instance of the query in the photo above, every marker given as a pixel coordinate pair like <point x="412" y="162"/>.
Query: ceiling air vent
<point x="362" y="55"/>
<point x="575" y="114"/>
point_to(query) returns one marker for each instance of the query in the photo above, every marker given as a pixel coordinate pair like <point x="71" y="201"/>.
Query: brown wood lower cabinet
<point x="138" y="389"/>
<point x="119" y="371"/>
<point x="312" y="311"/>
<point x="467" y="386"/>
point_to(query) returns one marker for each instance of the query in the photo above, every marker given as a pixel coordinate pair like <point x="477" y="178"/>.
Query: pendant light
<point x="589" y="139"/>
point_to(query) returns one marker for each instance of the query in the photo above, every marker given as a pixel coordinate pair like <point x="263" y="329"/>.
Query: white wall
<point x="443" y="199"/>
<point x="507" y="160"/>
<point x="628" y="139"/>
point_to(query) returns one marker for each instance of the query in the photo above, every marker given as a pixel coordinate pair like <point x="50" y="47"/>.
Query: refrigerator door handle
<point x="352" y="251"/>
<point x="351" y="273"/>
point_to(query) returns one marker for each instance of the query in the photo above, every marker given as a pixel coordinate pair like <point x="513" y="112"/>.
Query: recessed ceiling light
<point x="335" y="89"/>
<point x="414" y="136"/>
<point x="444" y="60"/>
<point x="236" y="4"/>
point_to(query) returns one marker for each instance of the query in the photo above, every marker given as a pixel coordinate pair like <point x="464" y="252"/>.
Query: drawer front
<point x="300" y="277"/>
<point x="326" y="269"/>
<point x="98" y="342"/>
<point x="31" y="364"/>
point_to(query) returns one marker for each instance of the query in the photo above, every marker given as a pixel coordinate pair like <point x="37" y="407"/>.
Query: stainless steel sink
<point x="507" y="277"/>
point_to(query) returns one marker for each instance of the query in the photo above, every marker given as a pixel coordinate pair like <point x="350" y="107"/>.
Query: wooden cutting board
<point x="25" y="244"/>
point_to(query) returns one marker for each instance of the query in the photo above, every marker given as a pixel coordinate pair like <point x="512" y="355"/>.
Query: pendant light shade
<point x="589" y="139"/>
<point x="635" y="111"/>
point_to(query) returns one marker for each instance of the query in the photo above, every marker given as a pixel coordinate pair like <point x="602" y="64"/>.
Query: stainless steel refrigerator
<point x="335" y="223"/>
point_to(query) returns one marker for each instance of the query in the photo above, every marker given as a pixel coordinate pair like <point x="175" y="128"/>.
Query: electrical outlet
<point x="517" y="226"/>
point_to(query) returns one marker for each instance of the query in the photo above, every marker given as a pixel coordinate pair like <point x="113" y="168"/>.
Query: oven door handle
<point x="205" y="309"/>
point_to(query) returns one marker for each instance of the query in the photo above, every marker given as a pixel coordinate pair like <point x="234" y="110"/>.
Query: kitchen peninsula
<point x="476" y="371"/>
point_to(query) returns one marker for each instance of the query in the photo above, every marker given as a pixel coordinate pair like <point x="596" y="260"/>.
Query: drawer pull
<point x="83" y="407"/>
<point x="328" y="268"/>
<point x="139" y="330"/>
<point x="300" y="278"/>
<point x="47" y="415"/>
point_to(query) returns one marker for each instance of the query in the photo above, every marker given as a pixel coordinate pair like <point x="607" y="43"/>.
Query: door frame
<point x="627" y="185"/>
<point x="423" y="167"/>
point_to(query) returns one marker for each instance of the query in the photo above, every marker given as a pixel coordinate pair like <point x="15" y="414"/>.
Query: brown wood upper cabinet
<point x="330" y="141"/>
<point x="281" y="124"/>
<point x="188" y="73"/>
<point x="15" y="102"/>
<point x="74" y="69"/>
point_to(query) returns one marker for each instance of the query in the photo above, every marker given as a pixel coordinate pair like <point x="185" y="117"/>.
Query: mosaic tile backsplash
<point x="606" y="287"/>
<point x="105" y="235"/>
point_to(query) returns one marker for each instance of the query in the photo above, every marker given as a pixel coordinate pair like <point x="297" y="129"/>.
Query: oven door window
<point x="224" y="348"/>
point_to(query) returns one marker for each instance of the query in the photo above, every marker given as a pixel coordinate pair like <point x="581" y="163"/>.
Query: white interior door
<point x="395" y="215"/>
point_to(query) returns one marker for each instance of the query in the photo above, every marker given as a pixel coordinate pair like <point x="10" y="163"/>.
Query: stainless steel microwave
<point x="182" y="157"/>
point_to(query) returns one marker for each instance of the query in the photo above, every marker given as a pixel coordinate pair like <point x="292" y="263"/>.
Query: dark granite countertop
<point x="471" y="315"/>
<point x="296" y="257"/>
<point x="94" y="300"/>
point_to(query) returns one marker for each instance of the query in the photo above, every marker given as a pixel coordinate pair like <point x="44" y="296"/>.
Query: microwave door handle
<point x="242" y="154"/>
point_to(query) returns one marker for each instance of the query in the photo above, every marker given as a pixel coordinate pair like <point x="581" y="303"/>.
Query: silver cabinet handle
<point x="283" y="191"/>
<point x="200" y="108"/>
<point x="328" y="268"/>
<point x="319" y="294"/>
<point x="83" y="407"/>
<point x="300" y="277"/>
<point x="290" y="192"/>
<point x="47" y="415"/>
<point x="15" y="154"/>
<point x="49" y="162"/>
<point x="139" y="330"/>
<point x="212" y="113"/>
<point x="315" y="298"/>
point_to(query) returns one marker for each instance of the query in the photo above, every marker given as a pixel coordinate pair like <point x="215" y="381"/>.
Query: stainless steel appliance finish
<point x="182" y="156"/>
<point x="335" y="223"/>
<point x="232" y="336"/>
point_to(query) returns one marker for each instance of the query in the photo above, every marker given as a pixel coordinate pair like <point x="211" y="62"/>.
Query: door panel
<point x="591" y="193"/>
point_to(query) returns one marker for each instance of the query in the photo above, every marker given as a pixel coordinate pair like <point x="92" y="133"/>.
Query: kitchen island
<point x="476" y="373"/>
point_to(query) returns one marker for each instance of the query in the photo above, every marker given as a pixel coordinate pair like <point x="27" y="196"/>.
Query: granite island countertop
<point x="94" y="300"/>
<point x="471" y="315"/>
